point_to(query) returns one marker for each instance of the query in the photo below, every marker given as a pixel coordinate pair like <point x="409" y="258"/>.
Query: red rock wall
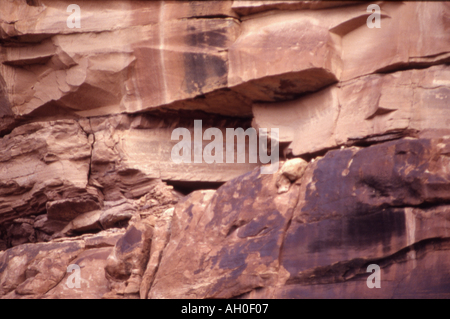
<point x="86" y="177"/>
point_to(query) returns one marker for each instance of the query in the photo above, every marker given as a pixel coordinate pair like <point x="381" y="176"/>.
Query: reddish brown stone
<point x="86" y="117"/>
<point x="225" y="244"/>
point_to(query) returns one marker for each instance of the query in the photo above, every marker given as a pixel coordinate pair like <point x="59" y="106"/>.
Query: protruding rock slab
<point x="281" y="56"/>
<point x="249" y="7"/>
<point x="226" y="243"/>
<point x="366" y="110"/>
<point x="426" y="43"/>
<point x="309" y="123"/>
<point x="178" y="43"/>
<point x="414" y="100"/>
<point x="199" y="55"/>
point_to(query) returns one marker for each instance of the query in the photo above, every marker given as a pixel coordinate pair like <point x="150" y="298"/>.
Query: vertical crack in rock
<point x="160" y="240"/>
<point x="89" y="135"/>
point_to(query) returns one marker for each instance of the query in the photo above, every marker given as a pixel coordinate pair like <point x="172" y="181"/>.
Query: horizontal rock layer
<point x="365" y="110"/>
<point x="45" y="163"/>
<point x="200" y="54"/>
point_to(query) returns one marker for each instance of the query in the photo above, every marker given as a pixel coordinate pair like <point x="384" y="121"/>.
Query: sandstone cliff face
<point x="87" y="179"/>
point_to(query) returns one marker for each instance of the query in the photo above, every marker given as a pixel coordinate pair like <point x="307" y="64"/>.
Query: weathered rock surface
<point x="40" y="270"/>
<point x="248" y="7"/>
<point x="160" y="239"/>
<point x="131" y="152"/>
<point x="366" y="110"/>
<point x="126" y="265"/>
<point x="49" y="184"/>
<point x="232" y="237"/>
<point x="34" y="269"/>
<point x="45" y="166"/>
<point x="93" y="282"/>
<point x="200" y="54"/>
<point x="385" y="205"/>
<point x="86" y="122"/>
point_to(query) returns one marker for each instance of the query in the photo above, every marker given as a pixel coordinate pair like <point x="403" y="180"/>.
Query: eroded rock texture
<point x="87" y="179"/>
<point x="386" y="205"/>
